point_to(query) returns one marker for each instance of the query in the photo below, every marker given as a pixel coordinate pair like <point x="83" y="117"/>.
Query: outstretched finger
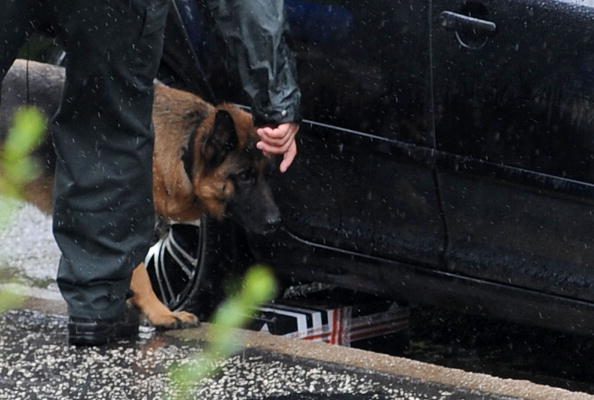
<point x="288" y="157"/>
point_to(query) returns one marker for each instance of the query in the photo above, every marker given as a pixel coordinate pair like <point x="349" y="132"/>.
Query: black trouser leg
<point x="103" y="211"/>
<point x="14" y="25"/>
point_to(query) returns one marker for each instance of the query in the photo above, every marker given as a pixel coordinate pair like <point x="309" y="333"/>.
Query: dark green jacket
<point x="255" y="33"/>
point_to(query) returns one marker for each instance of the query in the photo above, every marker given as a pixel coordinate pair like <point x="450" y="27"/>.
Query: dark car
<point x="446" y="155"/>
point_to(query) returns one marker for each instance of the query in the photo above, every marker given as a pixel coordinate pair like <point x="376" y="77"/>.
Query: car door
<point x="514" y="97"/>
<point x="363" y="179"/>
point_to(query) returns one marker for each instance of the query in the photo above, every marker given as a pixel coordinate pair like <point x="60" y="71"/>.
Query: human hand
<point x="279" y="140"/>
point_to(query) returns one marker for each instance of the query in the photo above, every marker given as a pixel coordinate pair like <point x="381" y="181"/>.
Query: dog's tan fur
<point x="175" y="195"/>
<point x="175" y="114"/>
<point x="177" y="198"/>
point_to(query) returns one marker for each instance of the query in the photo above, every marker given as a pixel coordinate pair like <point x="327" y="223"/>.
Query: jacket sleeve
<point x="255" y="34"/>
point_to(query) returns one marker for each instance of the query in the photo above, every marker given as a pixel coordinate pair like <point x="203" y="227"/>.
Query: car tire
<point x="191" y="264"/>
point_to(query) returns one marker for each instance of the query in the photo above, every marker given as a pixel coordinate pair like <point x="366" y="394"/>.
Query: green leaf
<point x="26" y="134"/>
<point x="259" y="286"/>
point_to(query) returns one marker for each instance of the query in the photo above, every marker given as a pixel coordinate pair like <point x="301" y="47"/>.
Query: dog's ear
<point x="221" y="141"/>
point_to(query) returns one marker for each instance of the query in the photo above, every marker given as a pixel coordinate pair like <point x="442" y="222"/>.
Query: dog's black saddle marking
<point x="196" y="119"/>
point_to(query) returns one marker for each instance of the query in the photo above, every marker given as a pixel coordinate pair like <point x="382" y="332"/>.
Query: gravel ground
<point x="36" y="363"/>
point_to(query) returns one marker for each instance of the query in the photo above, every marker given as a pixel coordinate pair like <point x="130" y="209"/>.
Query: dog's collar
<point x="188" y="155"/>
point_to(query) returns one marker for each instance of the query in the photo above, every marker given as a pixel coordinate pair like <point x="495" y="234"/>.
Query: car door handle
<point x="457" y="22"/>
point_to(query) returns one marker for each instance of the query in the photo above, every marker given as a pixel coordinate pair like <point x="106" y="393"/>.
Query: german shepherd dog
<point x="205" y="162"/>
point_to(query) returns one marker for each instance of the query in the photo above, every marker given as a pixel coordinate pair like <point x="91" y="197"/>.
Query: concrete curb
<point x="393" y="366"/>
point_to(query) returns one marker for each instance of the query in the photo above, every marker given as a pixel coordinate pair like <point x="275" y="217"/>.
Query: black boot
<point x="96" y="332"/>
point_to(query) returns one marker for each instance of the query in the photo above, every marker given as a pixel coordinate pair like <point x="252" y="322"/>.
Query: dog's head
<point x="230" y="175"/>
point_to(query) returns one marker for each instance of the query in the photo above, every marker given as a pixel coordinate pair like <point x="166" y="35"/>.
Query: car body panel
<point x="362" y="193"/>
<point x="357" y="185"/>
<point x="418" y="284"/>
<point x="520" y="102"/>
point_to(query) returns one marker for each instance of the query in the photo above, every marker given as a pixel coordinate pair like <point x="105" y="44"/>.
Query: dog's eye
<point x="246" y="176"/>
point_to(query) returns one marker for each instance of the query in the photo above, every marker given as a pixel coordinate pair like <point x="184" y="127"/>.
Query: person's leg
<point x="103" y="209"/>
<point x="14" y="27"/>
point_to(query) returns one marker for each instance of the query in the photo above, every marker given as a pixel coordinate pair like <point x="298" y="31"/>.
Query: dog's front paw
<point x="186" y="319"/>
<point x="174" y="320"/>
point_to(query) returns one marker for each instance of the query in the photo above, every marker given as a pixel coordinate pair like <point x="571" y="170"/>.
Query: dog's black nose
<point x="272" y="223"/>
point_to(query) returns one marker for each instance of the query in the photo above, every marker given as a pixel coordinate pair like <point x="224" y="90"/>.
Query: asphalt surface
<point x="37" y="363"/>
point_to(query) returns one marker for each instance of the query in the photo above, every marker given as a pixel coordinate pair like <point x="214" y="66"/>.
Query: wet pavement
<point x="36" y="363"/>
<point x="502" y="349"/>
